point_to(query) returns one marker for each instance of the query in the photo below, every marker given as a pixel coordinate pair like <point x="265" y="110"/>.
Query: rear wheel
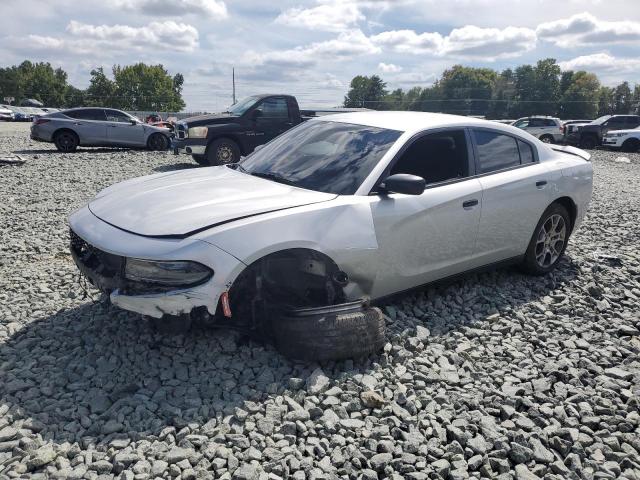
<point x="158" y="142"/>
<point x="547" y="139"/>
<point x="632" y="145"/>
<point x="222" y="152"/>
<point x="66" y="141"/>
<point x="549" y="241"/>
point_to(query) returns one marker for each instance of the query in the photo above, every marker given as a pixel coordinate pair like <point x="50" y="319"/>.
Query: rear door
<point x="90" y="125"/>
<point x="122" y="132"/>
<point x="515" y="193"/>
<point x="422" y="238"/>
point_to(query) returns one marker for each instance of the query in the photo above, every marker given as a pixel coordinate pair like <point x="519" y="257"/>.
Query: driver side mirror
<point x="133" y="122"/>
<point x="403" y="183"/>
<point x="256" y="114"/>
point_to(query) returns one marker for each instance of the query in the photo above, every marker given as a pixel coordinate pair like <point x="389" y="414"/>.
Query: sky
<point x="313" y="48"/>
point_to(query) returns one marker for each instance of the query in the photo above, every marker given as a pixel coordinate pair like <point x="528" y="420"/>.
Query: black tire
<point x="66" y="141"/>
<point x="334" y="332"/>
<point x="158" y="142"/>
<point x="547" y="139"/>
<point x="631" y="146"/>
<point x="589" y="142"/>
<point x="531" y="263"/>
<point x="200" y="160"/>
<point x="222" y="152"/>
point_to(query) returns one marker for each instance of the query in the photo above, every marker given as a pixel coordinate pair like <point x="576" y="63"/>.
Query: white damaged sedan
<point x="294" y="239"/>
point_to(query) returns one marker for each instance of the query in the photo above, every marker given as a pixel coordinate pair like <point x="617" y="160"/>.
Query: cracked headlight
<point x="198" y="132"/>
<point x="179" y="273"/>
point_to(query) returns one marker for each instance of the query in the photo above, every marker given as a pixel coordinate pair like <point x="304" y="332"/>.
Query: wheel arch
<point x="65" y="129"/>
<point x="570" y="205"/>
<point x="632" y="145"/>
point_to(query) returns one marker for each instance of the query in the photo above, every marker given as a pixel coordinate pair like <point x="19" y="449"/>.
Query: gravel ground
<point x="498" y="375"/>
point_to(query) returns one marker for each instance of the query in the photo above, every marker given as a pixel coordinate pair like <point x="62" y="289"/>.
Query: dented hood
<point x="182" y="203"/>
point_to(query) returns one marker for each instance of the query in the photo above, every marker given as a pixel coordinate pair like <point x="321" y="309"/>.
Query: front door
<point x="273" y="118"/>
<point x="422" y="238"/>
<point x="122" y="132"/>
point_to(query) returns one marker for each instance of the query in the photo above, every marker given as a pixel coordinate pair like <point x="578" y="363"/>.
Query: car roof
<point x="413" y="122"/>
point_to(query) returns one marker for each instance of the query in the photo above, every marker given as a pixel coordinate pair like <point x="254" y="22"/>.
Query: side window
<point x="274" y="108"/>
<point x="87" y="114"/>
<point x="536" y="122"/>
<point x="526" y="152"/>
<point x="495" y="151"/>
<point x="633" y="122"/>
<point x="549" y="123"/>
<point x="116" y="116"/>
<point x="616" y="122"/>
<point x="436" y="157"/>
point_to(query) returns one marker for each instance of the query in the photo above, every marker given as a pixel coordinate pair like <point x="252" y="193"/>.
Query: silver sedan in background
<point x="97" y="127"/>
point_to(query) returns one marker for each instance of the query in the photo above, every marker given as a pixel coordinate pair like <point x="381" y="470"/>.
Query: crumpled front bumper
<point x="113" y="246"/>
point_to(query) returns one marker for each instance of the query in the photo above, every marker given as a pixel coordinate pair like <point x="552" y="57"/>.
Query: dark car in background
<point x="591" y="134"/>
<point x="98" y="127"/>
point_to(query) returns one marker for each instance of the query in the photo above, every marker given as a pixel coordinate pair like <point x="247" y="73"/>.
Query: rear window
<point x="87" y="114"/>
<point x="496" y="151"/>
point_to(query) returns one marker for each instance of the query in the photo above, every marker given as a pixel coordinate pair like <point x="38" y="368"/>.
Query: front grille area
<point x="103" y="269"/>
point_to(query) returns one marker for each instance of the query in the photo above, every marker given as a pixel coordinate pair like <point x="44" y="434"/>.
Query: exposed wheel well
<point x="290" y="278"/>
<point x="571" y="207"/>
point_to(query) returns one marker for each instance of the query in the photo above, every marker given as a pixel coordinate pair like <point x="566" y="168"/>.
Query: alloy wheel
<point x="224" y="154"/>
<point x="550" y="240"/>
<point x="66" y="142"/>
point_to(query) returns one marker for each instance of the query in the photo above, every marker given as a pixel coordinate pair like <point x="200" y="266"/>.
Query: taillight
<point x="40" y="121"/>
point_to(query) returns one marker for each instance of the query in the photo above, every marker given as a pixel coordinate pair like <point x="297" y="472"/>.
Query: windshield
<point x="242" y="106"/>
<point x="602" y="119"/>
<point x="329" y="157"/>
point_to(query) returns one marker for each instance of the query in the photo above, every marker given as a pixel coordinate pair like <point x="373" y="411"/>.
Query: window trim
<point x="536" y="158"/>
<point x="87" y="119"/>
<point x="471" y="166"/>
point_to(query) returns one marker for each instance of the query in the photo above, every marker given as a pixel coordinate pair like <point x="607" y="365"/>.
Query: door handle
<point x="469" y="203"/>
<point x="541" y="183"/>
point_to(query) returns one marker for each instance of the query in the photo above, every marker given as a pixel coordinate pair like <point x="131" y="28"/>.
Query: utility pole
<point x="233" y="76"/>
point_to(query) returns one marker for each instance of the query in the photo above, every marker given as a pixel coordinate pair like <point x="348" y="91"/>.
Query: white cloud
<point x="347" y="44"/>
<point x="488" y="43"/>
<point x="163" y="35"/>
<point x="210" y="8"/>
<point x="329" y="15"/>
<point x="602" y="63"/>
<point x="584" y="30"/>
<point x="468" y="41"/>
<point x="389" y="67"/>
<point x="408" y="41"/>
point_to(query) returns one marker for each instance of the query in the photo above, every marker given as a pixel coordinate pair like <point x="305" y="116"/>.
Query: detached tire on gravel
<point x="335" y="332"/>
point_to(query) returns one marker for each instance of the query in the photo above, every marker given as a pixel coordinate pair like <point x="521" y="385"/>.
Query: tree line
<point x="540" y="89"/>
<point x="130" y="87"/>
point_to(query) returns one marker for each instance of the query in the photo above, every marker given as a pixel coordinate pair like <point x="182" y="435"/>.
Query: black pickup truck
<point x="590" y="135"/>
<point x="222" y="138"/>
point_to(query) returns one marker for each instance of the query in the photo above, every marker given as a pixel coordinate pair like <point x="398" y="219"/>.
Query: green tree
<point x="101" y="91"/>
<point x="547" y="87"/>
<point x="467" y="90"/>
<point x="74" y="97"/>
<point x="579" y="100"/>
<point x="366" y="92"/>
<point x="605" y="101"/>
<point x="503" y="95"/>
<point x="622" y="98"/>
<point x="148" y="87"/>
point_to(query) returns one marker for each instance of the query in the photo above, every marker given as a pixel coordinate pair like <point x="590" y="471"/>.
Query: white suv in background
<point x="625" y="140"/>
<point x="547" y="129"/>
